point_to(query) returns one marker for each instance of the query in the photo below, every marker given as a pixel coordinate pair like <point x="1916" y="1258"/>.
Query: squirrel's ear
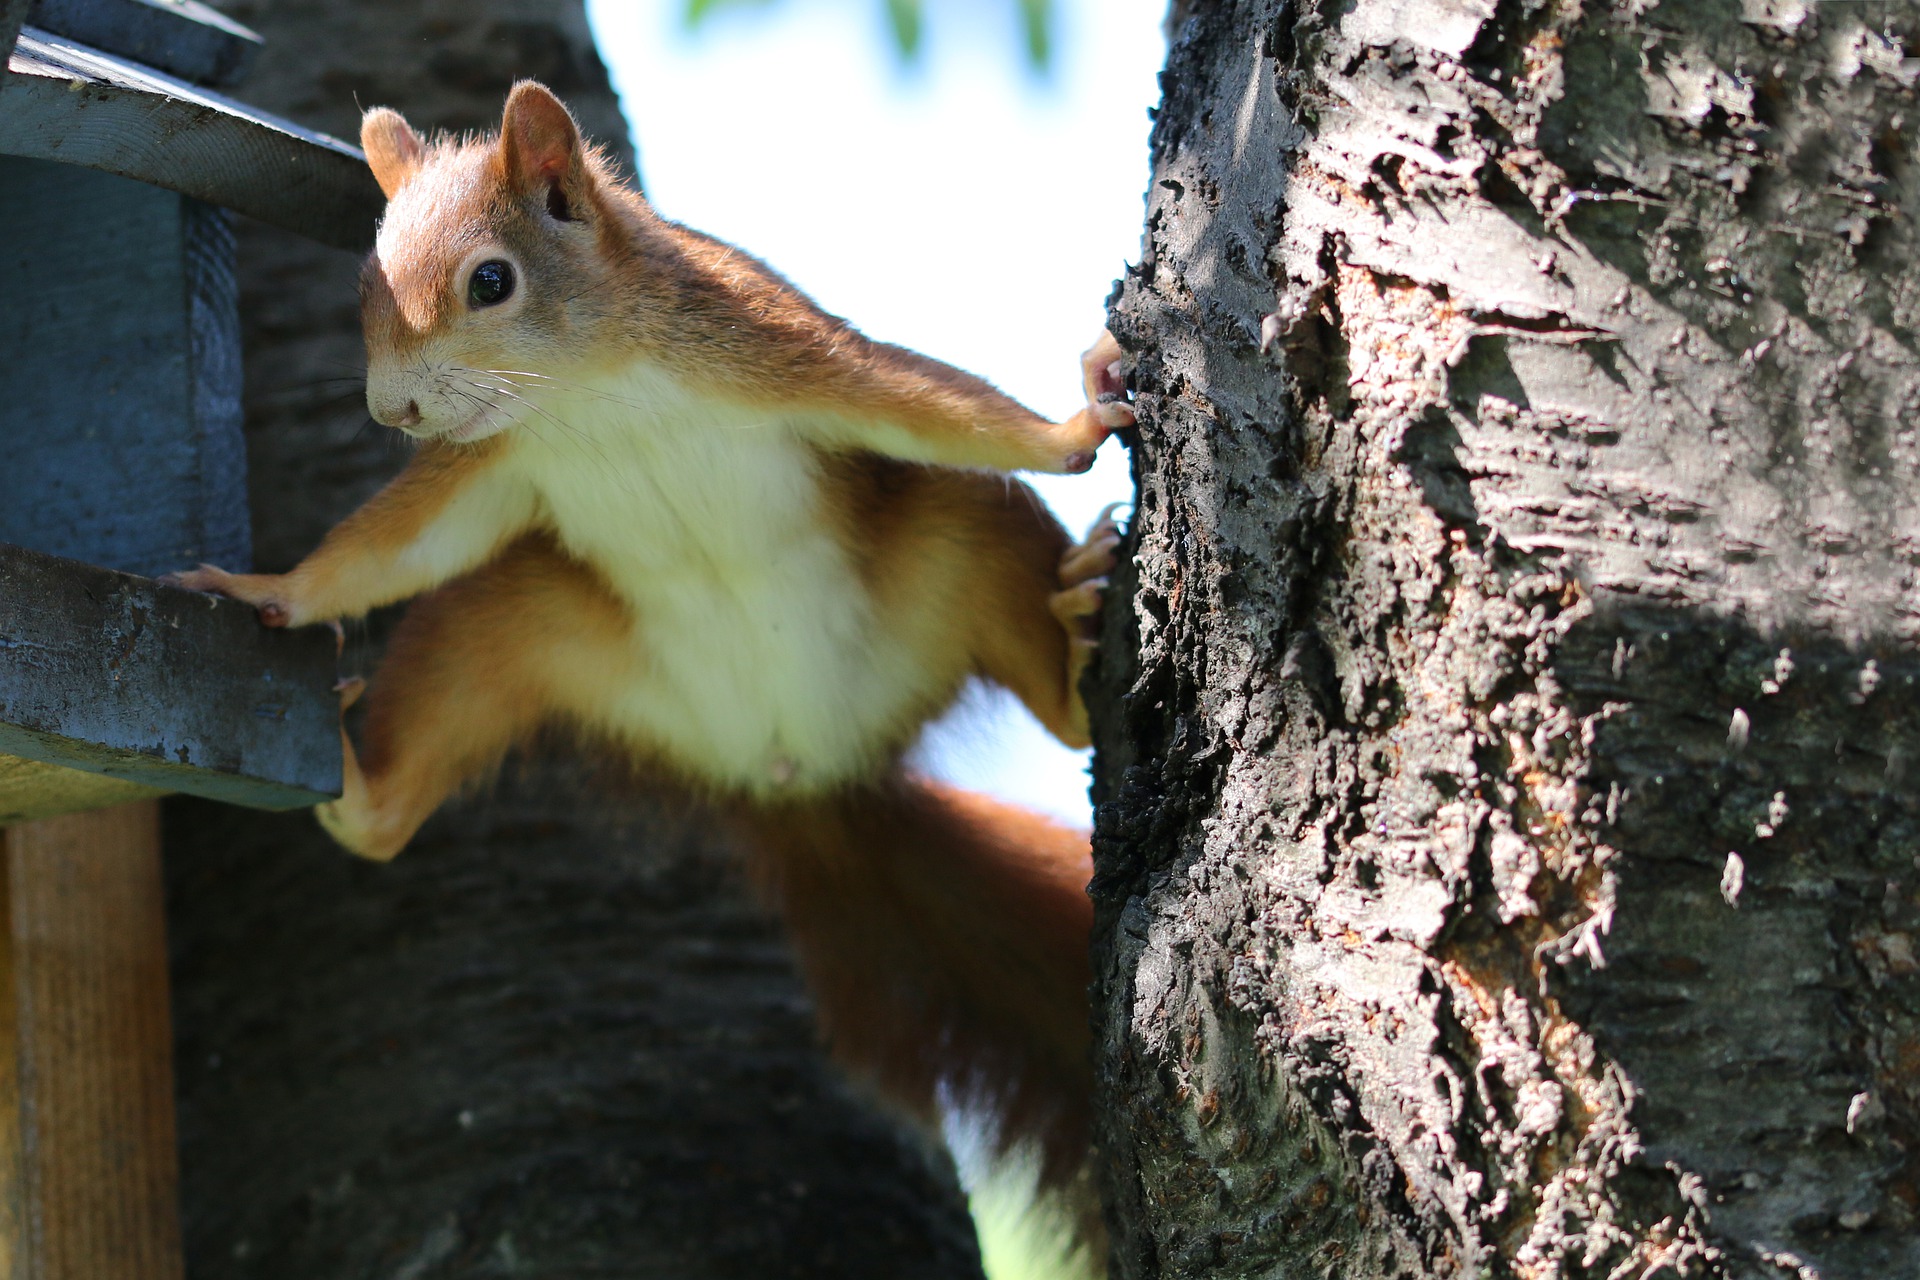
<point x="540" y="150"/>
<point x="393" y="148"/>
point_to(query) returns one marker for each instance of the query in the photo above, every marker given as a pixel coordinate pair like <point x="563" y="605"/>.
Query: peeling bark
<point x="1506" y="846"/>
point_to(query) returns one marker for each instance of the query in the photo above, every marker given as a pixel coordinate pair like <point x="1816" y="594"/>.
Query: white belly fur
<point x="759" y="663"/>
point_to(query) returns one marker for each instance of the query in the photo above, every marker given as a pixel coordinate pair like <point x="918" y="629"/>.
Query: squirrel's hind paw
<point x="1083" y="578"/>
<point x="1097" y="554"/>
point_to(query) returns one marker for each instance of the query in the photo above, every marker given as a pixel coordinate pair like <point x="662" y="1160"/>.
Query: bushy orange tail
<point x="945" y="938"/>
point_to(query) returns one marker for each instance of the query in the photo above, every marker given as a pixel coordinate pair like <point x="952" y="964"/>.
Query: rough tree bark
<point x="555" y="1038"/>
<point x="1507" y="832"/>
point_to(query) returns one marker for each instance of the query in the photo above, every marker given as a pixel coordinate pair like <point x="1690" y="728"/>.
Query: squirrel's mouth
<point x="479" y="424"/>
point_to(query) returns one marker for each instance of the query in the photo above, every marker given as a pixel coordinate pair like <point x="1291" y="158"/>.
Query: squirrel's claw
<point x="262" y="591"/>
<point x="1103" y="372"/>
<point x="349" y="688"/>
<point x="206" y="577"/>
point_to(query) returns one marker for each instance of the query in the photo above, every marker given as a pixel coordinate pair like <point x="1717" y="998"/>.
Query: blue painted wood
<point x="120" y="396"/>
<point x="118" y="675"/>
<point x="120" y="425"/>
<point x="63" y="101"/>
<point x="180" y="37"/>
<point x="213" y="344"/>
<point x="13" y="15"/>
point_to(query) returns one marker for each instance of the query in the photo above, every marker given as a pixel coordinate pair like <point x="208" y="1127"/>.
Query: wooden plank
<point x="180" y="37"/>
<point x="32" y="789"/>
<point x="65" y="102"/>
<point x="117" y="675"/>
<point x="88" y="1166"/>
<point x="121" y="415"/>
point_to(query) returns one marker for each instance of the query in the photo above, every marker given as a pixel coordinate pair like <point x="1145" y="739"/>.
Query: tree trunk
<point x="1506" y="850"/>
<point x="555" y="1038"/>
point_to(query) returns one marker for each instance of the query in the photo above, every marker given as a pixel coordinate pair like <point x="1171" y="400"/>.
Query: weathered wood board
<point x="32" y="789"/>
<point x="180" y="37"/>
<point x="63" y="101"/>
<point x="158" y="687"/>
<point x="121" y="412"/>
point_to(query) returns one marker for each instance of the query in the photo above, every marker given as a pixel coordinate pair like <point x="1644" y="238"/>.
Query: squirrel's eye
<point x="492" y="282"/>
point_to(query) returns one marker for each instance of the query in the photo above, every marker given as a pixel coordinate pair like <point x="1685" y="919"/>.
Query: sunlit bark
<point x="1507" y="842"/>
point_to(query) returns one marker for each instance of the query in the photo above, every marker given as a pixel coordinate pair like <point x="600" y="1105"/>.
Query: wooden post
<point x="88" y="1167"/>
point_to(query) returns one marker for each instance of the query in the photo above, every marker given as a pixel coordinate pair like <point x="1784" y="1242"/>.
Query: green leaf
<point x="905" y="17"/>
<point x="1036" y="23"/>
<point x="696" y="11"/>
<point x="906" y="20"/>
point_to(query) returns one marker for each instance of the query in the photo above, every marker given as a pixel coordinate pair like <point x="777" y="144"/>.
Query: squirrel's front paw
<point x="1103" y="371"/>
<point x="266" y="592"/>
<point x="1075" y="441"/>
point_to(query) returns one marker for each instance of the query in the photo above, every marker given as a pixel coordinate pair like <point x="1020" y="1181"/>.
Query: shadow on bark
<point x="550" y="1040"/>
<point x="1760" y="988"/>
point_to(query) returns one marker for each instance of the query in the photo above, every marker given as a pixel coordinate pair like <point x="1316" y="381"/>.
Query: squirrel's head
<point x="495" y="266"/>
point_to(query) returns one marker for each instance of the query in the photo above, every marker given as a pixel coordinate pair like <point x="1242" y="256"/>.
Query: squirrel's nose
<point x="387" y="416"/>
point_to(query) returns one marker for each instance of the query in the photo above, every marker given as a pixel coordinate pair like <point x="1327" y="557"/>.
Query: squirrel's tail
<point x="945" y="936"/>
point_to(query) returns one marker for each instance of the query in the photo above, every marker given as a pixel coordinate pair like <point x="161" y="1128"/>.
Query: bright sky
<point x="965" y="207"/>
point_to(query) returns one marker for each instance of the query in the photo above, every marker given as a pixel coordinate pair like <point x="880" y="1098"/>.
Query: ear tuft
<point x="540" y="147"/>
<point x="393" y="149"/>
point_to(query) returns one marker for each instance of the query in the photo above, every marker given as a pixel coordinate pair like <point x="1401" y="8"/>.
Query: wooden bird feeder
<point x="123" y="460"/>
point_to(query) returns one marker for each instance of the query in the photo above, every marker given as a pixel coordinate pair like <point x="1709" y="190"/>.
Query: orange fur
<point x="965" y="563"/>
<point x="657" y="483"/>
<point x="474" y="669"/>
<point x="641" y="287"/>
<point x="362" y="563"/>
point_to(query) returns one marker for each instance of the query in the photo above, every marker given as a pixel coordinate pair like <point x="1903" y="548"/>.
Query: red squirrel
<point x="663" y="499"/>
